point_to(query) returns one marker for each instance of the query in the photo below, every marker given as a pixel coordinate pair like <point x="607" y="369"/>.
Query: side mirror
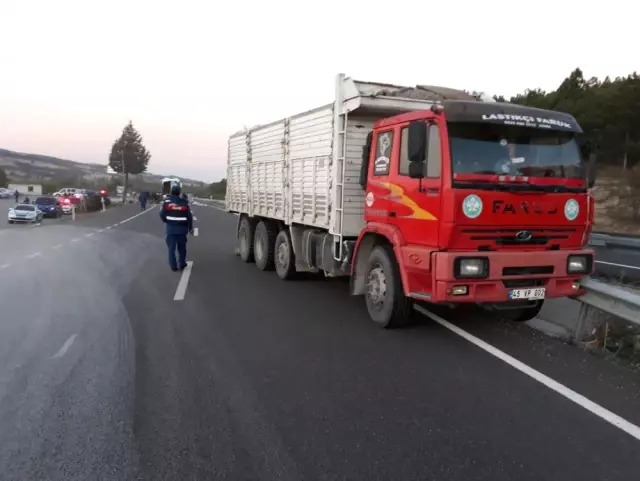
<point x="416" y="170"/>
<point x="591" y="171"/>
<point x="417" y="141"/>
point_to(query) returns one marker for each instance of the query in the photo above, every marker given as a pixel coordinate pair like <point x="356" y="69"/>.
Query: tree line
<point x="608" y="111"/>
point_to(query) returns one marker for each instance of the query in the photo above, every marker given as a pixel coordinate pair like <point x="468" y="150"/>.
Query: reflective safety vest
<point x="177" y="214"/>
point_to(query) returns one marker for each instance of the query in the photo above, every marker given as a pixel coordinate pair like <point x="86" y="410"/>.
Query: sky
<point x="190" y="73"/>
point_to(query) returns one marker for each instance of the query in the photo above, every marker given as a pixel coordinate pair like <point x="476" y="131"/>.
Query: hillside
<point x="21" y="167"/>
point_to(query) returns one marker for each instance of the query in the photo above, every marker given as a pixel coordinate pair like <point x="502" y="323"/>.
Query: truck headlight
<point x="579" y="264"/>
<point x="477" y="267"/>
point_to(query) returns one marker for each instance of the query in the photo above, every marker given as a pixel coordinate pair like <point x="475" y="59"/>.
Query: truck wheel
<point x="285" y="261"/>
<point x="263" y="244"/>
<point x="523" y="315"/>
<point x="245" y="240"/>
<point x="385" y="299"/>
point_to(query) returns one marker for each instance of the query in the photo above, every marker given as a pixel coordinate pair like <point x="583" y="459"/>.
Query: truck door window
<point x="384" y="145"/>
<point x="433" y="152"/>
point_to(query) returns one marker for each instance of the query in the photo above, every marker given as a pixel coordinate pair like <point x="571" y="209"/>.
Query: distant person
<point x="143" y="200"/>
<point x="176" y="214"/>
<point x="17" y="195"/>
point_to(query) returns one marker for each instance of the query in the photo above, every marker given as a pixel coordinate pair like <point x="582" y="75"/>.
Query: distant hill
<point x="21" y="167"/>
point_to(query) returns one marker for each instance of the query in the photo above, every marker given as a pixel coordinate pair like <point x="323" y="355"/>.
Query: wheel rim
<point x="377" y="286"/>
<point x="259" y="247"/>
<point x="282" y="257"/>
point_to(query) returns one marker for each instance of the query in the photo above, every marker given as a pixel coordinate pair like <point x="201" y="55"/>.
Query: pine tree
<point x="129" y="155"/>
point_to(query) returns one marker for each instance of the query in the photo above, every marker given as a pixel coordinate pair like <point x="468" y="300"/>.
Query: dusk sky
<point x="189" y="73"/>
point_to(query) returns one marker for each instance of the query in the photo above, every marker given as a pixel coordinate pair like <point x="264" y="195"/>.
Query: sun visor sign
<point x="528" y="121"/>
<point x="509" y="114"/>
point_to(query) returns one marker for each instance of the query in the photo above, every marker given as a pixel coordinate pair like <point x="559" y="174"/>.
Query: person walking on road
<point x="143" y="200"/>
<point x="176" y="214"/>
<point x="17" y="195"/>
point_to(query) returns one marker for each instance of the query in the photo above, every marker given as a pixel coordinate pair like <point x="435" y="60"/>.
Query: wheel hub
<point x="259" y="248"/>
<point x="283" y="256"/>
<point x="377" y="285"/>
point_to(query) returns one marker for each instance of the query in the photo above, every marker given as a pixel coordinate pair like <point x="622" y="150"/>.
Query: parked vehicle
<point x="49" y="205"/>
<point x="24" y="213"/>
<point x="418" y="194"/>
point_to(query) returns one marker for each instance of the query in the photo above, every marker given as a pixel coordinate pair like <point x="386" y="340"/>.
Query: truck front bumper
<point x="505" y="272"/>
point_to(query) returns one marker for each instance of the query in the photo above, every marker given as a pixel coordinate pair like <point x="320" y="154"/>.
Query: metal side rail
<point x="612" y="299"/>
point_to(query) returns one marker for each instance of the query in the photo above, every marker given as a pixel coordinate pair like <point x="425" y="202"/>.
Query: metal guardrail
<point x="601" y="239"/>
<point x="616" y="300"/>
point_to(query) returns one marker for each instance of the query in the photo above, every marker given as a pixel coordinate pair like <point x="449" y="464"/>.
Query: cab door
<point x="420" y="198"/>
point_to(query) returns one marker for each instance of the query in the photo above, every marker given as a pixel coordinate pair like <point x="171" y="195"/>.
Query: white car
<point x="25" y="213"/>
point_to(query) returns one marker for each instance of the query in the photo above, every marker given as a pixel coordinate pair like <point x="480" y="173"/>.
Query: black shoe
<point x="183" y="267"/>
<point x="174" y="269"/>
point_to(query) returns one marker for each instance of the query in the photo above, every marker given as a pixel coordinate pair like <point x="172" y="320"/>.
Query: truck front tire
<point x="387" y="305"/>
<point x="245" y="240"/>
<point x="285" y="260"/>
<point x="263" y="244"/>
<point x="523" y="315"/>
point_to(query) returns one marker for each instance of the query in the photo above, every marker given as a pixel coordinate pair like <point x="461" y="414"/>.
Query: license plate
<point x="537" y="293"/>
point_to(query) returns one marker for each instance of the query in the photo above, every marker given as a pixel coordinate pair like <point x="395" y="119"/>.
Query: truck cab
<point x="480" y="202"/>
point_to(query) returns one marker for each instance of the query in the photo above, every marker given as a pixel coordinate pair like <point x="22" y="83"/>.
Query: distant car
<point x="27" y="213"/>
<point x="67" y="203"/>
<point x="49" y="205"/>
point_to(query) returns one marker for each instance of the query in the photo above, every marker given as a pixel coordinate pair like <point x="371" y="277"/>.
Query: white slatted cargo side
<point x="310" y="141"/>
<point x="353" y="194"/>
<point x="267" y="158"/>
<point x="238" y="192"/>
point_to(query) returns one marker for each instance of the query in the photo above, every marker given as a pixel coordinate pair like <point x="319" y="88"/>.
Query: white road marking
<point x="195" y="232"/>
<point x="75" y="239"/>
<point x="4" y="266"/>
<point x="100" y="230"/>
<point x="115" y="225"/>
<point x="108" y="227"/>
<point x="618" y="265"/>
<point x="89" y="234"/>
<point x="184" y="282"/>
<point x="195" y="218"/>
<point x="561" y="389"/>
<point x="65" y="347"/>
<point x="31" y="256"/>
<point x="57" y="246"/>
<point x="138" y="214"/>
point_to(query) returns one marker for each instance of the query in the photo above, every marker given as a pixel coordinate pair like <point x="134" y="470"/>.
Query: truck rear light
<point x="579" y="264"/>
<point x="474" y="267"/>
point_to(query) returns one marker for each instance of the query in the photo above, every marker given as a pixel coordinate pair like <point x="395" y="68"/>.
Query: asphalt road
<point x="104" y="376"/>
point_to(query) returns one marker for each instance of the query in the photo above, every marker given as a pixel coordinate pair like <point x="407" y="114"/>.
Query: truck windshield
<point x="510" y="150"/>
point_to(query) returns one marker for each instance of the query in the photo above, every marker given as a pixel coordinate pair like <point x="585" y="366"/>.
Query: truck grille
<point x="510" y="237"/>
<point x="527" y="270"/>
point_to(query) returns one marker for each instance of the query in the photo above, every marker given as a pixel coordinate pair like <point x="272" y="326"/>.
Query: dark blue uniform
<point x="176" y="214"/>
<point x="143" y="200"/>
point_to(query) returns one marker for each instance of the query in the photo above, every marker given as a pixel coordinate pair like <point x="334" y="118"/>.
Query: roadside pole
<point x="73" y="211"/>
<point x="103" y="205"/>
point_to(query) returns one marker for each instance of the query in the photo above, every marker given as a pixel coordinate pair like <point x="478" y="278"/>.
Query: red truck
<point x="419" y="194"/>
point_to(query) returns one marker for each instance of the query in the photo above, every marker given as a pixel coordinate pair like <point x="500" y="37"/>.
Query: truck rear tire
<point x="263" y="245"/>
<point x="387" y="305"/>
<point x="245" y="240"/>
<point x="285" y="260"/>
